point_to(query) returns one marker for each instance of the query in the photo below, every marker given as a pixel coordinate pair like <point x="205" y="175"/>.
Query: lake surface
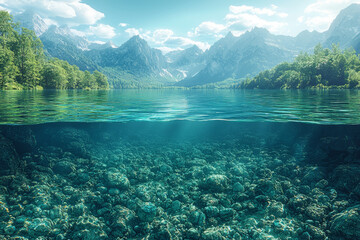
<point x="180" y="164"/>
<point x="311" y="106"/>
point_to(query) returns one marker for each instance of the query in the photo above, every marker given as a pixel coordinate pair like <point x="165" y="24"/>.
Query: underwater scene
<point x="180" y="164"/>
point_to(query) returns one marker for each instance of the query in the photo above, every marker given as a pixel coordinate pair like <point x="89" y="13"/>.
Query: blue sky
<point x="170" y="25"/>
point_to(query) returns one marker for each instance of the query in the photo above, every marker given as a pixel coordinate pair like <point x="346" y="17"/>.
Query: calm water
<point x="321" y="107"/>
<point x="180" y="164"/>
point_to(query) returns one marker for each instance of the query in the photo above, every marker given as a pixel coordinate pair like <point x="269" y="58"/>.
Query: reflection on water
<point x="325" y="107"/>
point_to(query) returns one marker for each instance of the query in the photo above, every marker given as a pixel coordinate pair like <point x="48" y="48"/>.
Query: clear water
<point x="311" y="106"/>
<point x="180" y="164"/>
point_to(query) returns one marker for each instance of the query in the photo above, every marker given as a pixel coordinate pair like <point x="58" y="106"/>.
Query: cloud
<point x="240" y="19"/>
<point x="166" y="50"/>
<point x="257" y="11"/>
<point x="244" y="17"/>
<point x="133" y="31"/>
<point x="247" y="21"/>
<point x="72" y="12"/>
<point x="207" y="28"/>
<point x="102" y="31"/>
<point x="320" y="14"/>
<point x="161" y="35"/>
<point x="166" y="40"/>
<point x="123" y="24"/>
<point x="185" y="43"/>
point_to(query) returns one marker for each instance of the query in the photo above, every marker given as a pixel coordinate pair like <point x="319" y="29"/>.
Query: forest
<point x="325" y="68"/>
<point x="24" y="65"/>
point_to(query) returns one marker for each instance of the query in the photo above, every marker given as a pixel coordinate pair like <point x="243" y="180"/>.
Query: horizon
<point x="201" y="24"/>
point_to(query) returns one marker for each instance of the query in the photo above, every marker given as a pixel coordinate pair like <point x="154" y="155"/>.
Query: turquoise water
<point x="180" y="164"/>
<point x="313" y="106"/>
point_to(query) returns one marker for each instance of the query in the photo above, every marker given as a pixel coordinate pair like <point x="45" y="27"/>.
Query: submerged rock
<point x="147" y="212"/>
<point x="347" y="223"/>
<point x="10" y="162"/>
<point x="88" y="227"/>
<point x="216" y="183"/>
<point x="346" y="177"/>
<point x="64" y="168"/>
<point x="117" y="179"/>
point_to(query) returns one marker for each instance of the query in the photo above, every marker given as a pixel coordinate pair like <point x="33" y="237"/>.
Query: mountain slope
<point x="62" y="44"/>
<point x="344" y="28"/>
<point x="233" y="57"/>
<point x="30" y="20"/>
<point x="186" y="62"/>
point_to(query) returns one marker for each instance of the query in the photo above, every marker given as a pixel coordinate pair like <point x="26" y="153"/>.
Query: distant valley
<point x="136" y="64"/>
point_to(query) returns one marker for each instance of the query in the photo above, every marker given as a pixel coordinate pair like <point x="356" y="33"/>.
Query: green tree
<point x="101" y="80"/>
<point x="54" y="76"/>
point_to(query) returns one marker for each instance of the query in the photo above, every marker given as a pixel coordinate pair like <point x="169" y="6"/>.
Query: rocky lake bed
<point x="69" y="182"/>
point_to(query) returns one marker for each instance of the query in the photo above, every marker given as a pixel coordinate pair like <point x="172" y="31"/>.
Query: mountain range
<point x="136" y="64"/>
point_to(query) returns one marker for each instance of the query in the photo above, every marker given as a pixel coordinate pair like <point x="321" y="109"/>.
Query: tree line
<point x="23" y="64"/>
<point x="325" y="68"/>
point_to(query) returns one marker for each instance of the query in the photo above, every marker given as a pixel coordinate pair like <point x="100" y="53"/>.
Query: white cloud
<point x="186" y="42"/>
<point x="161" y="35"/>
<point x="102" y="31"/>
<point x="257" y="11"/>
<point x="207" y="28"/>
<point x="319" y="15"/>
<point x="247" y="21"/>
<point x="133" y="31"/>
<point x="98" y="42"/>
<point x="123" y="24"/>
<point x="166" y="50"/>
<point x="72" y="12"/>
<point x="79" y="33"/>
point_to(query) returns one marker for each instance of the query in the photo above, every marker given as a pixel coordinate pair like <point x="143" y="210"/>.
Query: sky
<point x="173" y="25"/>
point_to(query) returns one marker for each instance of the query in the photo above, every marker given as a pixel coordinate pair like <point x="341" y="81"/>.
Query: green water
<point x="314" y="106"/>
<point x="180" y="164"/>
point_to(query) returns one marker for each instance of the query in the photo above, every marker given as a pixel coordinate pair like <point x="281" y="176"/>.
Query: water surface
<point x="310" y="106"/>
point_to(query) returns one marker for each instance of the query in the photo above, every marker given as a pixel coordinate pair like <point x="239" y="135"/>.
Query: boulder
<point x="10" y="162"/>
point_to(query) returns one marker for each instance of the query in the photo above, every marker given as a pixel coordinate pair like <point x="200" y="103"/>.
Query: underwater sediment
<point x="179" y="180"/>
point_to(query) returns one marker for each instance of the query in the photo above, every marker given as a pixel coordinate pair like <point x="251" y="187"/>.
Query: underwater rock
<point x="238" y="187"/>
<point x="211" y="211"/>
<point x="147" y="212"/>
<point x="315" y="232"/>
<point x="313" y="175"/>
<point x="347" y="223"/>
<point x="10" y="162"/>
<point x="193" y="233"/>
<point x="88" y="227"/>
<point x="346" y="177"/>
<point x="216" y="183"/>
<point x="73" y="140"/>
<point x="64" y="168"/>
<point x="197" y="218"/>
<point x="40" y="227"/>
<point x="268" y="188"/>
<point x="22" y="138"/>
<point x="276" y="209"/>
<point x="122" y="221"/>
<point x="117" y="179"/>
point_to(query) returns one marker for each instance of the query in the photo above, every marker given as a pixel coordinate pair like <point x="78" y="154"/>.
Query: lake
<point x="180" y="164"/>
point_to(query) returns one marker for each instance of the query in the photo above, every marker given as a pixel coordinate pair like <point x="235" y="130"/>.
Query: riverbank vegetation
<point x="23" y="64"/>
<point x="326" y="68"/>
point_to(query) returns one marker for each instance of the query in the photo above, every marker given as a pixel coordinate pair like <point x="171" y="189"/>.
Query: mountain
<point x="135" y="58"/>
<point x="238" y="57"/>
<point x="186" y="62"/>
<point x="229" y="58"/>
<point x="29" y="19"/>
<point x="100" y="46"/>
<point x="61" y="43"/>
<point x="344" y="28"/>
<point x="306" y="40"/>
